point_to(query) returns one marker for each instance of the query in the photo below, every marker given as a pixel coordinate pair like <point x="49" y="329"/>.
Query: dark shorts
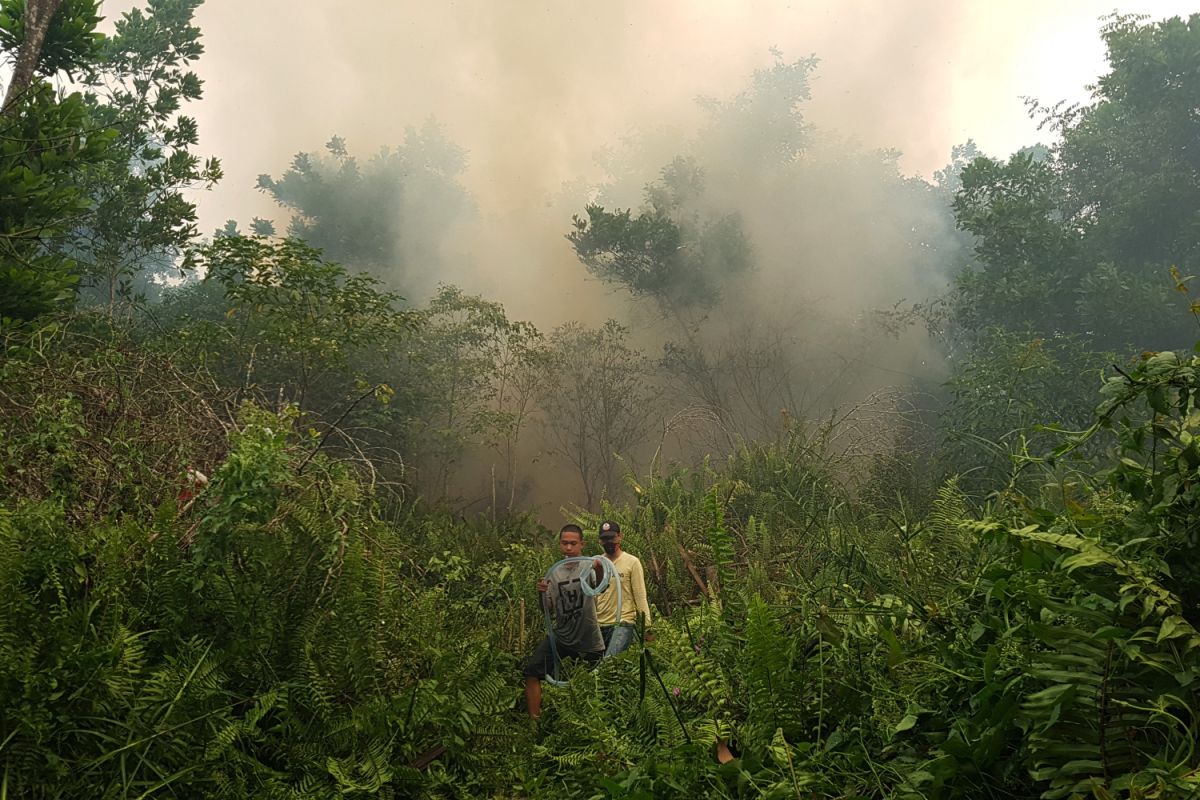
<point x="541" y="663"/>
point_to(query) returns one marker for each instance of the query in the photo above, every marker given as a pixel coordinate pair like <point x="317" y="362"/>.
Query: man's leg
<point x="622" y="637"/>
<point x="533" y="696"/>
<point x="535" y="669"/>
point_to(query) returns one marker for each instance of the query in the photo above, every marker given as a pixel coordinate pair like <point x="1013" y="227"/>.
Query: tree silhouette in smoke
<point x="671" y="252"/>
<point x="389" y="215"/>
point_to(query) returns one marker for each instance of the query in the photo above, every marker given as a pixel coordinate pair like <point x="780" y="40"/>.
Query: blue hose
<point x="610" y="574"/>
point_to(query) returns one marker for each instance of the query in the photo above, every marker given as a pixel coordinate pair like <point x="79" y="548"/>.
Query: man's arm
<point x="638" y="579"/>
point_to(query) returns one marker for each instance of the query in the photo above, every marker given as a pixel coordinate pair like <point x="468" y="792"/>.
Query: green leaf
<point x="1174" y="626"/>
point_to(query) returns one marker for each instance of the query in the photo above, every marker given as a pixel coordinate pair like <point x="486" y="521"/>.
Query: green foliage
<point x="297" y="315"/>
<point x="1030" y="255"/>
<point x="1109" y="665"/>
<point x="1080" y="241"/>
<point x="1153" y="411"/>
<point x="99" y="425"/>
<point x="142" y="222"/>
<point x="765" y="122"/>
<point x="669" y="252"/>
<point x="48" y="141"/>
<point x="275" y="639"/>
<point x="470" y="376"/>
<point x="389" y="215"/>
<point x="71" y="42"/>
<point x="99" y="177"/>
<point x="1129" y="155"/>
<point x="1013" y="394"/>
<point x="287" y="629"/>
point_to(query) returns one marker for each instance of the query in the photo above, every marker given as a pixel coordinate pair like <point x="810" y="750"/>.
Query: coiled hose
<point x="610" y="574"/>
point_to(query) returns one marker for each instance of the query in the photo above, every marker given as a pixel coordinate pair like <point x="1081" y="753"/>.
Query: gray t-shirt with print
<point x="573" y="612"/>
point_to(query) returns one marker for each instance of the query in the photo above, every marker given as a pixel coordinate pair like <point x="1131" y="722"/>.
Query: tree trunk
<point x="38" y="14"/>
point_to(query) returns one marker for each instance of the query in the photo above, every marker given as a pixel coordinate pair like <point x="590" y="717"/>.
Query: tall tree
<point x="1130" y="159"/>
<point x="458" y="383"/>
<point x="598" y="403"/>
<point x="295" y="322"/>
<point x="672" y="252"/>
<point x="27" y="24"/>
<point x="766" y="220"/>
<point x="48" y="142"/>
<point x="1082" y="238"/>
<point x="389" y="215"/>
<point x="126" y="213"/>
<point x="142" y="222"/>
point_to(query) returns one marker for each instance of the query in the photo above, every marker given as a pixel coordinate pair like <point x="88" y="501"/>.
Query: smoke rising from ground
<point x="563" y="104"/>
<point x="536" y="94"/>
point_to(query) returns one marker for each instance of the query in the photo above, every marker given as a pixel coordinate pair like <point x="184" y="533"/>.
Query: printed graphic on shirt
<point x="570" y="600"/>
<point x="574" y="613"/>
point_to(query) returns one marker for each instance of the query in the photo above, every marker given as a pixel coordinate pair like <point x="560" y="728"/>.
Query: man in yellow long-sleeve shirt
<point x="618" y="632"/>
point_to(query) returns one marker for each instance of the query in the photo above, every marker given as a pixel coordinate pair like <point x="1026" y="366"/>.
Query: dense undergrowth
<point x="982" y="588"/>
<point x="286" y="633"/>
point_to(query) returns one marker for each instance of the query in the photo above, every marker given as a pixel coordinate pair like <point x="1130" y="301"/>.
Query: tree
<point x="763" y="126"/>
<point x="141" y="222"/>
<point x="597" y="404"/>
<point x="120" y="211"/>
<point x="764" y="220"/>
<point x="1080" y="238"/>
<point x="670" y="252"/>
<point x="1031" y="257"/>
<point x="465" y="383"/>
<point x="295" y="323"/>
<point x="674" y="254"/>
<point x="1129" y="159"/>
<point x="28" y="27"/>
<point x="389" y="215"/>
<point x="47" y="142"/>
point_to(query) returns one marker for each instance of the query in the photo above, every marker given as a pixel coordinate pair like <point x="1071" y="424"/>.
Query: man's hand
<point x="543" y="585"/>
<point x="648" y="636"/>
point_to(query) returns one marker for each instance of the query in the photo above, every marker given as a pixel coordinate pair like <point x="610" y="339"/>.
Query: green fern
<point x="1113" y="665"/>
<point x="765" y="672"/>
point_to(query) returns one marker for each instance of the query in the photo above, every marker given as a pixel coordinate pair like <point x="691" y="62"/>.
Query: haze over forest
<point x="521" y="119"/>
<point x="549" y="102"/>
<point x="806" y="155"/>
<point x="873" y="327"/>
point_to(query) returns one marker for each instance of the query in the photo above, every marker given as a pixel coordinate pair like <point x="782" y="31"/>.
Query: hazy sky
<point x="536" y="91"/>
<point x="533" y="89"/>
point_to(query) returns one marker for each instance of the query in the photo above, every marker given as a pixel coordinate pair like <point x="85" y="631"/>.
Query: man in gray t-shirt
<point x="572" y="613"/>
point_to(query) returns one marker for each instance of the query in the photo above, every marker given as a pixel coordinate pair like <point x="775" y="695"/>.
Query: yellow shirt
<point x="633" y="593"/>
